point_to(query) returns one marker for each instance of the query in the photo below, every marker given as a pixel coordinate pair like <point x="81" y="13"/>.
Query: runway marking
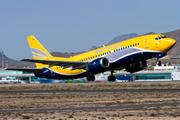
<point x="124" y="90"/>
<point x="129" y="106"/>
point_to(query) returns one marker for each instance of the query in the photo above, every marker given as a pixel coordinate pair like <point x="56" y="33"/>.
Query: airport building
<point x="28" y="77"/>
<point x="160" y="73"/>
<point x="148" y="75"/>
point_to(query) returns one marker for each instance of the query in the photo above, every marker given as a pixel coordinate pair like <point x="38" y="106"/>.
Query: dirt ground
<point x="163" y="113"/>
<point x="66" y="100"/>
<point x="91" y="86"/>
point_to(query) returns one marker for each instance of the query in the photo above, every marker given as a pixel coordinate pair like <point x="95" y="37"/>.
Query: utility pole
<point x="2" y="62"/>
<point x="2" y="58"/>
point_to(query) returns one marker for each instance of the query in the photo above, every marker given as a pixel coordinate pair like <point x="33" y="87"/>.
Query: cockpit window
<point x="160" y="37"/>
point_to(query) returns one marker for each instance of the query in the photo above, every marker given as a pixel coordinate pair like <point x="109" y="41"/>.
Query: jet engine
<point x="134" y="67"/>
<point x="98" y="64"/>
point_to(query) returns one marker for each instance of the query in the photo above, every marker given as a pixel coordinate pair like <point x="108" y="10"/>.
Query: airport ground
<point x="40" y="100"/>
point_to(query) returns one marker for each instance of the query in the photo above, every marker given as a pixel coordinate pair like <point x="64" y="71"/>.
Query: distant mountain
<point x="93" y="48"/>
<point x="8" y="62"/>
<point x="172" y="53"/>
<point x="122" y="38"/>
<point x="66" y="54"/>
<point x="150" y="33"/>
<point x="175" y="51"/>
<point x="114" y="40"/>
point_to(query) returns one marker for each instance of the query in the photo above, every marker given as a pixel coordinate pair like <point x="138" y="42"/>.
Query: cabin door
<point x="146" y="43"/>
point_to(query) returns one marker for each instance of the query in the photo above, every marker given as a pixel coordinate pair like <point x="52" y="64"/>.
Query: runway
<point x="129" y="106"/>
<point x="68" y="91"/>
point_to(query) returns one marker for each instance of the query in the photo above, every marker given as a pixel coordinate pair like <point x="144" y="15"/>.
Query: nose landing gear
<point x="158" y="62"/>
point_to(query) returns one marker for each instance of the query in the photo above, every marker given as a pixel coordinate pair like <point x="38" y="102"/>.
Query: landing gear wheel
<point x="111" y="78"/>
<point x="91" y="78"/>
<point x="158" y="62"/>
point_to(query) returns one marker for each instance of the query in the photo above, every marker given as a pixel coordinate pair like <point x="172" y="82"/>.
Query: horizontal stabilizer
<point x="64" y="64"/>
<point x="33" y="70"/>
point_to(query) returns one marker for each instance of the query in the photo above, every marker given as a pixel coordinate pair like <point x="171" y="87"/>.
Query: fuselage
<point x="120" y="55"/>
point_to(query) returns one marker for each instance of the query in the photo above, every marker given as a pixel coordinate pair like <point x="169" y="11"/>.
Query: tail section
<point x="39" y="52"/>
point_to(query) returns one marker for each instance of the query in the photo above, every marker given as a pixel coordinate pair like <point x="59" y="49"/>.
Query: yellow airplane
<point x="130" y="55"/>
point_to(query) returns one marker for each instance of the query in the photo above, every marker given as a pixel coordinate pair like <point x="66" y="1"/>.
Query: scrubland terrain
<point x="17" y="100"/>
<point x="91" y="86"/>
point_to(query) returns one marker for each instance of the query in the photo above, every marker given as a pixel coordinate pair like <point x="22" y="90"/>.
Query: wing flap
<point x="64" y="64"/>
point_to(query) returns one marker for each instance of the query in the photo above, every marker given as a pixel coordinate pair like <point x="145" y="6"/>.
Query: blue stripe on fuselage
<point x="47" y="73"/>
<point x="133" y="58"/>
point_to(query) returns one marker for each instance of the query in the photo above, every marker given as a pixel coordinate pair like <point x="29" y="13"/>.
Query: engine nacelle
<point x="134" y="67"/>
<point x="98" y="64"/>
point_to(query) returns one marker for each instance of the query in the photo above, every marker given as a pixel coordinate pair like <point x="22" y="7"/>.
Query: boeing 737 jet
<point x="130" y="55"/>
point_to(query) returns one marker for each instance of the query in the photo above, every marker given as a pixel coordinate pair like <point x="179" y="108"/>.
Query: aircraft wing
<point x="34" y="70"/>
<point x="64" y="64"/>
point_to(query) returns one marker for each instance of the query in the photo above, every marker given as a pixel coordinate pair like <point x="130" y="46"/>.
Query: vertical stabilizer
<point x="39" y="52"/>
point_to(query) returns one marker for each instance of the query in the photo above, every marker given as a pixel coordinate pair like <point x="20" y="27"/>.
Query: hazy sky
<point x="77" y="25"/>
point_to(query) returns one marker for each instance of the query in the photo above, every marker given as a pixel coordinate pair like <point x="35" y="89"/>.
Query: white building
<point x="166" y="68"/>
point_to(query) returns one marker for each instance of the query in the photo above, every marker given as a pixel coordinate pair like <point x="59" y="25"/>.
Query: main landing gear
<point x="90" y="77"/>
<point x="111" y="78"/>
